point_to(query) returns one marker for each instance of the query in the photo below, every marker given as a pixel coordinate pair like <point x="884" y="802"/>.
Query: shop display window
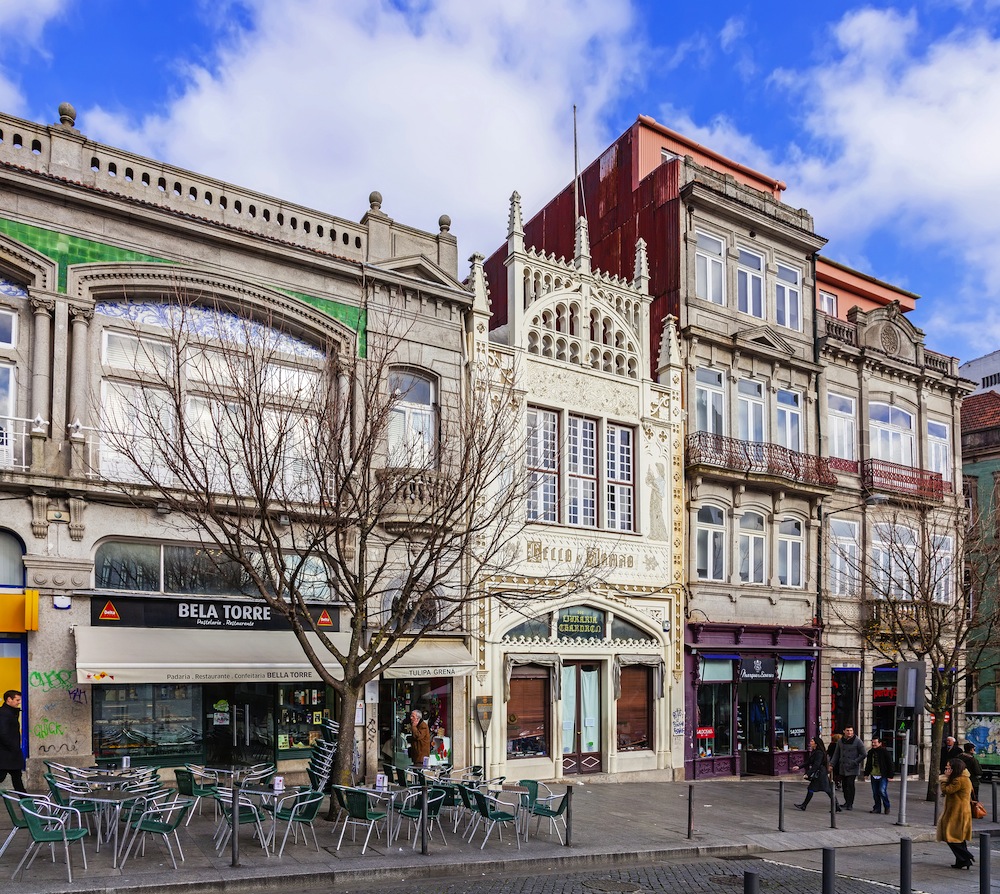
<point x="302" y="708"/>
<point x="528" y="713"/>
<point x="397" y="699"/>
<point x="159" y="721"/>
<point x="790" y="717"/>
<point x="713" y="732"/>
<point x="635" y="715"/>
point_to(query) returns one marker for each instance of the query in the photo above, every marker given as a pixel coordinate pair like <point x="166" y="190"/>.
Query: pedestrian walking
<point x="949" y="750"/>
<point x="955" y="823"/>
<point x="848" y="758"/>
<point x="11" y="755"/>
<point x="817" y="772"/>
<point x="878" y="766"/>
<point x="971" y="762"/>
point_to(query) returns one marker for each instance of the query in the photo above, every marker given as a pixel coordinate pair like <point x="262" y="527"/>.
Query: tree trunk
<point x="344" y="761"/>
<point x="937" y="738"/>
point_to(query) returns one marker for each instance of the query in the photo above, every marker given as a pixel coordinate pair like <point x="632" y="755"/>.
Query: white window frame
<point x="710" y="401"/>
<point x="620" y="465"/>
<point x="751" y="415"/>
<point x="843" y="426"/>
<point x="891" y="436"/>
<point x="828" y="303"/>
<point x="8" y="431"/>
<point x="412" y="434"/>
<point x="542" y="457"/>
<point x="789" y="418"/>
<point x="939" y="448"/>
<point x="943" y="570"/>
<point x="12" y="316"/>
<point x="788" y="297"/>
<point x="581" y="471"/>
<point x="894" y="548"/>
<point x="710" y="268"/>
<point x="750" y="297"/>
<point x="710" y="544"/>
<point x="753" y="549"/>
<point x="845" y="550"/>
<point x="136" y="353"/>
<point x="791" y="551"/>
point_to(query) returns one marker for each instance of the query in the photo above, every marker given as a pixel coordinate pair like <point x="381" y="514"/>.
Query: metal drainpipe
<point x="818" y="683"/>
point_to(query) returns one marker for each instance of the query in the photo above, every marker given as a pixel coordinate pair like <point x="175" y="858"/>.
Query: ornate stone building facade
<point x="586" y="674"/>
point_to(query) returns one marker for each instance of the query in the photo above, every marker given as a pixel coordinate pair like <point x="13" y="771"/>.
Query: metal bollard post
<point x="993" y="786"/>
<point x="829" y="871"/>
<point x="833" y="805"/>
<point x="751" y="882"/>
<point x="690" y="811"/>
<point x="781" y="805"/>
<point x="569" y="815"/>
<point x="905" y="865"/>
<point x="235" y="819"/>
<point x="423" y="814"/>
<point x="984" y="861"/>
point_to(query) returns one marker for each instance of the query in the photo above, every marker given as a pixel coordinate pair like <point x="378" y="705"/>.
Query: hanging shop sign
<point x="759" y="669"/>
<point x="126" y="611"/>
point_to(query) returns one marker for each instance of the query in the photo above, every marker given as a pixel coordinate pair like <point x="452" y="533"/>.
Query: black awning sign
<point x="759" y="669"/>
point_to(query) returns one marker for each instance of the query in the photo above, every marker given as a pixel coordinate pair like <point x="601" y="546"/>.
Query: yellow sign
<point x="19" y="612"/>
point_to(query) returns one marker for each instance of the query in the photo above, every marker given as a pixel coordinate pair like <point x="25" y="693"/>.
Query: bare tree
<point x="301" y="464"/>
<point x="926" y="591"/>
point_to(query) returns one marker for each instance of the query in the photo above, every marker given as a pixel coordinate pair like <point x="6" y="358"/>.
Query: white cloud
<point x="27" y="21"/>
<point x="444" y="106"/>
<point x="732" y="31"/>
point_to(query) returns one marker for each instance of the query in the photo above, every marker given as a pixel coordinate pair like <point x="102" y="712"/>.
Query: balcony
<point x="414" y="498"/>
<point x="896" y="619"/>
<point x="879" y="475"/>
<point x="766" y="460"/>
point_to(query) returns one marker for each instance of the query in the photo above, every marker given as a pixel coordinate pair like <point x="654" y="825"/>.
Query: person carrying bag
<point x="817" y="772"/>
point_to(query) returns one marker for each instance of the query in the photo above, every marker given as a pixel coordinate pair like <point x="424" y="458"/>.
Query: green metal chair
<point x="159" y="819"/>
<point x="543" y="809"/>
<point x="189" y="787"/>
<point x="360" y="813"/>
<point x="300" y="809"/>
<point x="490" y="809"/>
<point x="247" y="814"/>
<point x="411" y="810"/>
<point x="50" y="823"/>
<point x="12" y="801"/>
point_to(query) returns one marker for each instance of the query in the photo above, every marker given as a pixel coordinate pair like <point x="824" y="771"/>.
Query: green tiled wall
<point x="66" y="250"/>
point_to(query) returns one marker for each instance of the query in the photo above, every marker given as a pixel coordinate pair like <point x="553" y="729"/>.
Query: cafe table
<point x="110" y="802"/>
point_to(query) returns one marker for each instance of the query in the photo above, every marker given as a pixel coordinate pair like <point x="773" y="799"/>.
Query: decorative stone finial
<point x="640" y="275"/>
<point x="67" y="114"/>
<point x="445" y="223"/>
<point x="375" y="200"/>
<point x="514" y="225"/>
<point x="581" y="253"/>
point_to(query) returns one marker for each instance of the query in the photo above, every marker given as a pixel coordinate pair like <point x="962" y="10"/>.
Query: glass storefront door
<point x="582" y="713"/>
<point x="239" y="723"/>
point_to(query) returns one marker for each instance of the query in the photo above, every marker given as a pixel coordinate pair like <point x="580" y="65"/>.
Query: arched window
<point x="412" y="421"/>
<point x="11" y="562"/>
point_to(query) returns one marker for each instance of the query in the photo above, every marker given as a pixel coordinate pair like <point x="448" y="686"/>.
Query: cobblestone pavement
<point x="859" y="871"/>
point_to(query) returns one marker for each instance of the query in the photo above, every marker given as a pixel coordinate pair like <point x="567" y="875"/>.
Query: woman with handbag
<point x="817" y="772"/>
<point x="954" y="826"/>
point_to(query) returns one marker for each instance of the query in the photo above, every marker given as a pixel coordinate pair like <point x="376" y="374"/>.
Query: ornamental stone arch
<point x="25" y="266"/>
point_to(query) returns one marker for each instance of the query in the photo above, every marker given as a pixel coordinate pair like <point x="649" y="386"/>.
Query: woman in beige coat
<point x="955" y="824"/>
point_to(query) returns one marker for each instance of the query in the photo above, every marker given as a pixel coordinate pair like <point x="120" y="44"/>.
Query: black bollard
<point x="423" y="814"/>
<point x="829" y="871"/>
<point x="235" y="817"/>
<point x="781" y="805"/>
<point x="905" y="865"/>
<point x="993" y="786"/>
<point x="984" y="862"/>
<point x="569" y="815"/>
<point x="690" y="811"/>
<point x="833" y="805"/>
<point x="751" y="882"/>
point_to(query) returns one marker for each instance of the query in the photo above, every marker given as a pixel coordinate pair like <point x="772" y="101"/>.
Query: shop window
<point x="790" y="708"/>
<point x="844" y="692"/>
<point x="635" y="713"/>
<point x="301" y="711"/>
<point x="158" y="721"/>
<point x="713" y="729"/>
<point x="528" y="713"/>
<point x="397" y="699"/>
<point x="120" y="565"/>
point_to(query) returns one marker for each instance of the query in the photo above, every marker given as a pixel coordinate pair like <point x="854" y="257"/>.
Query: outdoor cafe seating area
<point x="122" y="820"/>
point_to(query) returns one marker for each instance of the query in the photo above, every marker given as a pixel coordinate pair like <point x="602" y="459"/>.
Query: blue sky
<point x="883" y="119"/>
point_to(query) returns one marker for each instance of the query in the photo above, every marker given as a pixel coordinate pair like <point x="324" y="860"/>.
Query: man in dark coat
<point x="11" y="755"/>
<point x="949" y="750"/>
<point x="848" y="758"/>
<point x="878" y="766"/>
<point x="971" y="762"/>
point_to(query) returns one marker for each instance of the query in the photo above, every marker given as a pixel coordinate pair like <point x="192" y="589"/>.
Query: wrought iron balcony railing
<point x="878" y="474"/>
<point x="704" y="448"/>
